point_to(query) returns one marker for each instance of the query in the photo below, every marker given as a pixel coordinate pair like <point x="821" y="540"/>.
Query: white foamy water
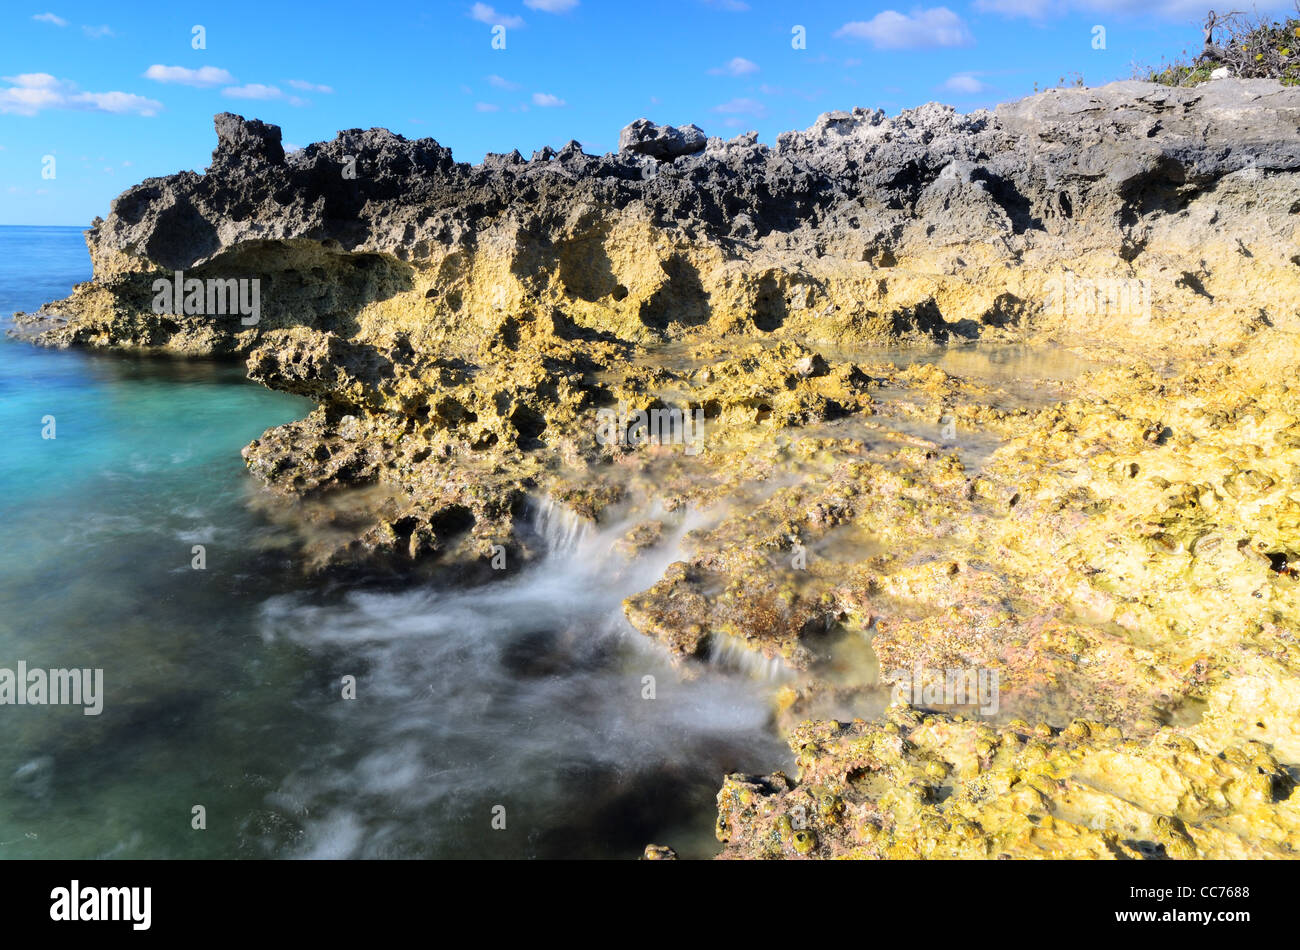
<point x="527" y="694"/>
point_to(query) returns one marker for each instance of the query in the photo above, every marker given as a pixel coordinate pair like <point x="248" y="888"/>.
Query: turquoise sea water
<point x="222" y="686"/>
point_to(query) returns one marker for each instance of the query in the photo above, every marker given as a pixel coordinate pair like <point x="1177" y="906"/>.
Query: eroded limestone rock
<point x="1121" y="551"/>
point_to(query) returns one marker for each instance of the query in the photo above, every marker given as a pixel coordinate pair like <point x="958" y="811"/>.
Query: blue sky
<point x="116" y="93"/>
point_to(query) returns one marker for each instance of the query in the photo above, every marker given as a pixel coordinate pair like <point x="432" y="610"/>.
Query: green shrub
<point x="1249" y="46"/>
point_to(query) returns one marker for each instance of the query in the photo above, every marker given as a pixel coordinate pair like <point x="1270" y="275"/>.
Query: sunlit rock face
<point x="863" y="227"/>
<point x="1098" y="503"/>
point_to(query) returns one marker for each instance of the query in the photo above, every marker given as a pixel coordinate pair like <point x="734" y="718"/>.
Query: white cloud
<point x="36" y="80"/>
<point x="97" y="32"/>
<point x="256" y="90"/>
<point x="750" y="107"/>
<point x="546" y="100"/>
<point x="1035" y="9"/>
<point x="501" y="83"/>
<point x="208" y="76"/>
<point x="118" y="102"/>
<point x="551" y="6"/>
<point x="30" y="93"/>
<point x="50" y="18"/>
<point x="304" y="86"/>
<point x="937" y="26"/>
<point x="964" y="84"/>
<point x="737" y="66"/>
<point x="485" y="14"/>
<point x="486" y="107"/>
<point x="252" y="90"/>
<point x="204" y="76"/>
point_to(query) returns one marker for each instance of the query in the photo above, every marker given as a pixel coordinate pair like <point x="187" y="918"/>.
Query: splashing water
<point x="530" y="695"/>
<point x="223" y="686"/>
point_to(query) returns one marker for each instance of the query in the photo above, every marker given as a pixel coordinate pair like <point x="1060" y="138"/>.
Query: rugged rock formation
<point x="1123" y="556"/>
<point x="862" y="227"/>
<point x="661" y="141"/>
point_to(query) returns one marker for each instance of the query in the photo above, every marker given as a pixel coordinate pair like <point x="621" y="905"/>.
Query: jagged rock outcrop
<point x="1133" y="214"/>
<point x="1125" y="559"/>
<point x="844" y="230"/>
<point x="661" y="141"/>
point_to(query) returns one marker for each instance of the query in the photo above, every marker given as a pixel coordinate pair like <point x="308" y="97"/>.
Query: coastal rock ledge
<point x="1117" y="546"/>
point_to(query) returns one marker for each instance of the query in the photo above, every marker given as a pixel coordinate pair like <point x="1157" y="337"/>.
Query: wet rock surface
<point x="692" y="333"/>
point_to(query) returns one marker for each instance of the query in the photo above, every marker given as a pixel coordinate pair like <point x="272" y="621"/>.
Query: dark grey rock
<point x="1055" y="166"/>
<point x="663" y="142"/>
